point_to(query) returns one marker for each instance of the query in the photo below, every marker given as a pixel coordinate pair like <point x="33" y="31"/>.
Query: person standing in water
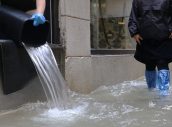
<point x="150" y="24"/>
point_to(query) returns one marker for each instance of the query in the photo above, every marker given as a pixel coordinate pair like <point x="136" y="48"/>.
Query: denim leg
<point x="151" y="77"/>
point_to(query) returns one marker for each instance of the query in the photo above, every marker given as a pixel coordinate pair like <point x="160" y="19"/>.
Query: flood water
<point x="128" y="104"/>
<point x="49" y="74"/>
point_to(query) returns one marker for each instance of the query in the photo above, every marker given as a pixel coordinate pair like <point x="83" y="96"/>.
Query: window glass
<point x="109" y="21"/>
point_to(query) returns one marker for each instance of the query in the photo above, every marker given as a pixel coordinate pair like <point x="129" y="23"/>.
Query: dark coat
<point x="152" y="19"/>
<point x="23" y="5"/>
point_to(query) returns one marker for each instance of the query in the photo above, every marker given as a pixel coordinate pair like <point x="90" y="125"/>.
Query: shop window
<point x="109" y="31"/>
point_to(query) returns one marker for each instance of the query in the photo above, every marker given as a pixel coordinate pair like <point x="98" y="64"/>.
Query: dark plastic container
<point x="16" y="67"/>
<point x="18" y="26"/>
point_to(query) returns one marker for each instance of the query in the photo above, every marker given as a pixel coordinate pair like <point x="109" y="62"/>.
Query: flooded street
<point x="128" y="104"/>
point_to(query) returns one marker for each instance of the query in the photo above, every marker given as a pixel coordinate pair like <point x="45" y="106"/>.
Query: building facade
<point x="98" y="48"/>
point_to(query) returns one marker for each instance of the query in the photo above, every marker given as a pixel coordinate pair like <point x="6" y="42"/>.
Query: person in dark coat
<point x="34" y="7"/>
<point x="150" y="24"/>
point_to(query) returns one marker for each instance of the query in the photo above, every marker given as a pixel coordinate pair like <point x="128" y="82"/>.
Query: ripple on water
<point x="128" y="104"/>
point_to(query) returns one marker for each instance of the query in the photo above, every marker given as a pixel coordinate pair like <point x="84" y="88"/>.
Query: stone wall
<point x="83" y="71"/>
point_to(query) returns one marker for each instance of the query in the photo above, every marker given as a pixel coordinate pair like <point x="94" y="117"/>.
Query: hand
<point x="38" y="19"/>
<point x="170" y="36"/>
<point x="137" y="38"/>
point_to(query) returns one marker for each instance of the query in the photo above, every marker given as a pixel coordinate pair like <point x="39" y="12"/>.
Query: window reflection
<point x="109" y="19"/>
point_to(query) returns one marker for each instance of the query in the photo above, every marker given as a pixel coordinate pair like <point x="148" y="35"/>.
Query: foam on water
<point x="128" y="104"/>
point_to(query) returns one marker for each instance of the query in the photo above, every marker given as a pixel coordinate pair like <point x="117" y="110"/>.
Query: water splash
<point x="49" y="74"/>
<point x="128" y="104"/>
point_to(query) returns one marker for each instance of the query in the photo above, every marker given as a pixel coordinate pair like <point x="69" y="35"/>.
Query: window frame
<point x="106" y="51"/>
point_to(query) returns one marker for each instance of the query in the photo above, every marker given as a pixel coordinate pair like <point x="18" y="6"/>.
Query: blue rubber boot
<point x="151" y="77"/>
<point x="164" y="82"/>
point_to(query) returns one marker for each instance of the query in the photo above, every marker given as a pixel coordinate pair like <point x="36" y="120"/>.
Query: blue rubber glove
<point x="38" y="19"/>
